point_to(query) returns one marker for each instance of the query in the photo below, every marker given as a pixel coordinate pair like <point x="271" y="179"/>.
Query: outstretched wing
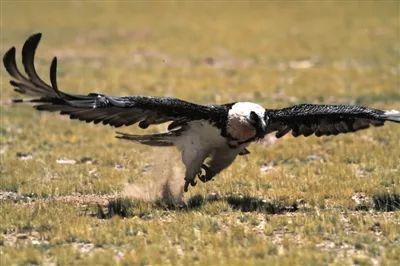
<point x="115" y="111"/>
<point x="308" y="119"/>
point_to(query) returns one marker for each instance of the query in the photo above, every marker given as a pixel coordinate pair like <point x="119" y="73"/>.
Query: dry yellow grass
<point x="320" y="202"/>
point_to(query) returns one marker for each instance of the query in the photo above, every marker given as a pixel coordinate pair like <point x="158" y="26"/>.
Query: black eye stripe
<point x="254" y="116"/>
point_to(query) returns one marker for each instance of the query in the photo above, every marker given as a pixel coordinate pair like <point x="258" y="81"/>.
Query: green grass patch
<point x="301" y="201"/>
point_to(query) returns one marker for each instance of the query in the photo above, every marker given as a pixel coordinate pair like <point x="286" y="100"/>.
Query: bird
<point x="209" y="137"/>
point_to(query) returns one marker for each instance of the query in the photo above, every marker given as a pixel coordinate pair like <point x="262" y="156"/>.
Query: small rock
<point x="86" y="160"/>
<point x="66" y="161"/>
<point x="24" y="156"/>
<point x="9" y="195"/>
<point x="147" y="167"/>
<point x="314" y="157"/>
<point x="22" y="236"/>
<point x="119" y="167"/>
<point x="362" y="201"/>
<point x="93" y="171"/>
<point x="360" y="172"/>
<point x="326" y="245"/>
<point x="85" y="247"/>
<point x="120" y="255"/>
<point x="35" y="242"/>
<point x="267" y="167"/>
<point x="301" y="64"/>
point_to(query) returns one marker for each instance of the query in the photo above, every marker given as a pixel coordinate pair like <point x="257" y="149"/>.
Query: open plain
<point x="292" y="201"/>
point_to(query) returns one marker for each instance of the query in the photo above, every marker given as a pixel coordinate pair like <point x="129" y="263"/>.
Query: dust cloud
<point x="163" y="181"/>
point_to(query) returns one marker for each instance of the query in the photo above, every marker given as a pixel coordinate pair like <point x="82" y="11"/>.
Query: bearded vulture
<point x="218" y="133"/>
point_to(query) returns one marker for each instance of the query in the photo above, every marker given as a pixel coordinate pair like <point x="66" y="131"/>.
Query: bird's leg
<point x="208" y="174"/>
<point x="190" y="177"/>
<point x="192" y="159"/>
<point x="203" y="178"/>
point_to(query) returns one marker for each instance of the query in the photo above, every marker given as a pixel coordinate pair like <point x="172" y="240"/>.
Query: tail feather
<point x="162" y="139"/>
<point x="11" y="66"/>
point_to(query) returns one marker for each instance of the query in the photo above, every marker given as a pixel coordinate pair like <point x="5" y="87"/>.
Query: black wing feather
<point x="28" y="55"/>
<point x="324" y="120"/>
<point x="11" y="67"/>
<point x="114" y="111"/>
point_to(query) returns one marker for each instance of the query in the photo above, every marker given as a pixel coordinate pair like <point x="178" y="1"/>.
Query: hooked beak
<point x="261" y="129"/>
<point x="263" y="125"/>
<point x="260" y="125"/>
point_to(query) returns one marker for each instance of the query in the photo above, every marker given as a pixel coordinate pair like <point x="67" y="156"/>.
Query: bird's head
<point x="259" y="123"/>
<point x="246" y="121"/>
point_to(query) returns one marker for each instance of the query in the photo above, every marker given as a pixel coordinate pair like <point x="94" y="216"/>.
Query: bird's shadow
<point x="128" y="208"/>
<point x="124" y="207"/>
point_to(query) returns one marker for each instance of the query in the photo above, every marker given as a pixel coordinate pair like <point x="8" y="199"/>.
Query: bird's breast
<point x="239" y="128"/>
<point x="201" y="134"/>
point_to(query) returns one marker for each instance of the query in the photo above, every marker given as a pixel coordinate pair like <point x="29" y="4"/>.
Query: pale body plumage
<point x="203" y="140"/>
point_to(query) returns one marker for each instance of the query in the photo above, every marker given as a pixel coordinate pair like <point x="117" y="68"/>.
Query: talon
<point x="191" y="182"/>
<point x="202" y="178"/>
<point x="185" y="188"/>
<point x="207" y="176"/>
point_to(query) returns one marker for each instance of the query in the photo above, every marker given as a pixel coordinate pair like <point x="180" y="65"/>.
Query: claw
<point x="185" y="188"/>
<point x="207" y="176"/>
<point x="203" y="178"/>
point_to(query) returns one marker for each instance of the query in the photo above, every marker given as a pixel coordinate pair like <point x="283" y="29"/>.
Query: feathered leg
<point x="193" y="160"/>
<point x="220" y="159"/>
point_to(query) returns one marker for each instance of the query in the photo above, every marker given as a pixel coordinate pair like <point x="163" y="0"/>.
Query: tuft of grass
<point x="386" y="202"/>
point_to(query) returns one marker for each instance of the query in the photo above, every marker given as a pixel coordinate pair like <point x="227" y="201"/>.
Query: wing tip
<point x="9" y="55"/>
<point x="30" y="46"/>
<point x="53" y="76"/>
<point x="34" y="38"/>
<point x="31" y="42"/>
<point x="9" y="58"/>
<point x="392" y="116"/>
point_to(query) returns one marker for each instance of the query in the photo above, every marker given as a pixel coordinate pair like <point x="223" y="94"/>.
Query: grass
<point x="331" y="200"/>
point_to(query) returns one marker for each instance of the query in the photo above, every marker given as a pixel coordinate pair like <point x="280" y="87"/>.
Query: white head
<point x="246" y="121"/>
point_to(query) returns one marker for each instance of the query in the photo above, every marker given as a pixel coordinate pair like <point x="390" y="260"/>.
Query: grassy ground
<point x="301" y="201"/>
